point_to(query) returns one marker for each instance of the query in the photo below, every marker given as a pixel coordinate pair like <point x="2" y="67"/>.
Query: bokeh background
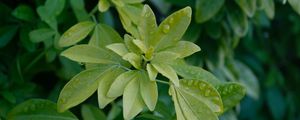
<point x="256" y="43"/>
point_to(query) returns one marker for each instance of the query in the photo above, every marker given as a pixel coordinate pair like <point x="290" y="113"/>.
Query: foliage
<point x="142" y="57"/>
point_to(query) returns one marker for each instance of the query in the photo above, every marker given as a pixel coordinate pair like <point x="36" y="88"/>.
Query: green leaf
<point x="141" y="45"/>
<point x="238" y="22"/>
<point x="103" y="5"/>
<point x="118" y="48"/>
<point x="130" y="45"/>
<point x="192" y="72"/>
<point x="206" y="9"/>
<point x="133" y="59"/>
<point x="47" y="17"/>
<point x="24" y="12"/>
<point x="90" y="112"/>
<point x="277" y="103"/>
<point x="132" y="100"/>
<point x="248" y="6"/>
<point x="38" y="109"/>
<point x="164" y="57"/>
<point x="232" y="94"/>
<point x="104" y="35"/>
<point x="6" y="34"/>
<point x="90" y="54"/>
<point x="79" y="88"/>
<point x="76" y="33"/>
<point x="184" y="49"/>
<point x="172" y="29"/>
<point x="168" y="72"/>
<point x="248" y="79"/>
<point x="133" y="1"/>
<point x="129" y="15"/>
<point x="295" y="5"/>
<point x="204" y="92"/>
<point x="104" y="85"/>
<point x="114" y="112"/>
<point x="148" y="90"/>
<point x="54" y="7"/>
<point x="40" y="35"/>
<point x="188" y="107"/>
<point x="118" y="86"/>
<point x="152" y="72"/>
<point x="269" y="7"/>
<point x="147" y="25"/>
<point x="79" y="10"/>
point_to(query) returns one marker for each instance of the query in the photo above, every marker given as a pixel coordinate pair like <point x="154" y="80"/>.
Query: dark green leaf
<point x="38" y="109"/>
<point x="90" y="112"/>
<point x="41" y="34"/>
<point x="295" y="5"/>
<point x="206" y="9"/>
<point x="24" y="12"/>
<point x="6" y="34"/>
<point x="248" y="6"/>
<point x="79" y="10"/>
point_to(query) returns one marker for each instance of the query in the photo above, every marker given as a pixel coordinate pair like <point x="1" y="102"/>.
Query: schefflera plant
<point x="129" y="67"/>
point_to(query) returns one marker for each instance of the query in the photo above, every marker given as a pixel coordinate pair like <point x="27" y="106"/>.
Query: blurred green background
<point x="254" y="42"/>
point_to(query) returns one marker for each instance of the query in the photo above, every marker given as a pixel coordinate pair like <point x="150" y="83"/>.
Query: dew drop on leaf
<point x="207" y="92"/>
<point x="166" y="28"/>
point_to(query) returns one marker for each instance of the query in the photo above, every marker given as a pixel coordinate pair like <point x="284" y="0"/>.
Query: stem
<point x="94" y="10"/>
<point x="19" y="69"/>
<point x="163" y="82"/>
<point x="36" y="59"/>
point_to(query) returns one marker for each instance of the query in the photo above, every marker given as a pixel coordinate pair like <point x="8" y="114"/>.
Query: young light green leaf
<point x="168" y="72"/>
<point x="133" y="1"/>
<point x="104" y="35"/>
<point x="231" y="93"/>
<point x="295" y="5"/>
<point x="152" y="72"/>
<point x="103" y="5"/>
<point x="41" y="34"/>
<point x="105" y="82"/>
<point x="184" y="48"/>
<point x="130" y="45"/>
<point x="38" y="109"/>
<point x="164" y="57"/>
<point x="90" y="54"/>
<point x="134" y="59"/>
<point x="141" y="45"/>
<point x="148" y="90"/>
<point x="76" y="90"/>
<point x="188" y="107"/>
<point x="118" y="48"/>
<point x="79" y="10"/>
<point x="23" y="12"/>
<point x="269" y="7"/>
<point x="192" y="72"/>
<point x="206" y="9"/>
<point x="90" y="112"/>
<point x="238" y="22"/>
<point x="129" y="15"/>
<point x="118" y="86"/>
<point x="147" y="25"/>
<point x="172" y="29"/>
<point x="248" y="6"/>
<point x="76" y="33"/>
<point x="132" y="100"/>
<point x="204" y="92"/>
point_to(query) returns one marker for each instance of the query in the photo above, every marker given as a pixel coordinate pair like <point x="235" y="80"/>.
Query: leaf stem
<point x="36" y="59"/>
<point x="94" y="10"/>
<point x="163" y="82"/>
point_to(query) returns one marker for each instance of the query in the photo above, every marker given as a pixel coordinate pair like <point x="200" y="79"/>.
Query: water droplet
<point x="190" y="82"/>
<point x="166" y="28"/>
<point x="202" y="86"/>
<point x="62" y="100"/>
<point x="171" y="21"/>
<point x="207" y="92"/>
<point x="147" y="14"/>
